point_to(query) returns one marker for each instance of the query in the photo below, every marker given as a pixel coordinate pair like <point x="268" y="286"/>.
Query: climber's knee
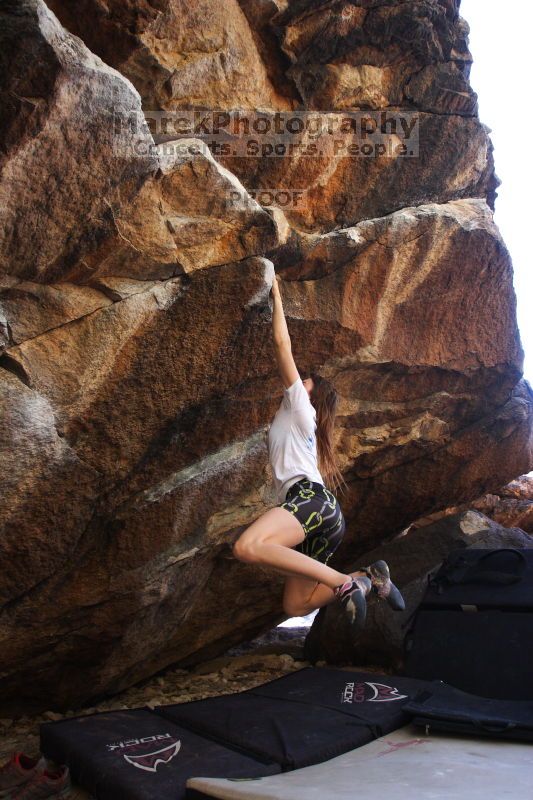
<point x="246" y="549"/>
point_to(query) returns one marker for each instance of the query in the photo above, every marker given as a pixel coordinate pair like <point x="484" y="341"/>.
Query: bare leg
<point x="301" y="596"/>
<point x="269" y="540"/>
<point x="285" y="572"/>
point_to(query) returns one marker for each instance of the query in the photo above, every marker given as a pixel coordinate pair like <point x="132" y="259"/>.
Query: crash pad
<point x="303" y="718"/>
<point x="136" y="754"/>
<point x="445" y="708"/>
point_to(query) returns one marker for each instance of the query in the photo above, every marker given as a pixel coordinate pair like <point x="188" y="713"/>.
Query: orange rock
<point x="137" y="374"/>
<point x="176" y="53"/>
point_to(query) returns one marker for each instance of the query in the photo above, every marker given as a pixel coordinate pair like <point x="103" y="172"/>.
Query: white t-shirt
<point x="291" y="440"/>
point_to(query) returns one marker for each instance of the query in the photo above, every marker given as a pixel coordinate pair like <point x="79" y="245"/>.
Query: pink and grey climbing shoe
<point x="379" y="574"/>
<point x="18" y="771"/>
<point x="352" y="596"/>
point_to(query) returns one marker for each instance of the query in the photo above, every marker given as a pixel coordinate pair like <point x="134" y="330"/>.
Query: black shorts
<point x="320" y="515"/>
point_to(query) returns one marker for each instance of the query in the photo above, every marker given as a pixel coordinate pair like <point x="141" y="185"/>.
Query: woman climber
<point x="299" y="535"/>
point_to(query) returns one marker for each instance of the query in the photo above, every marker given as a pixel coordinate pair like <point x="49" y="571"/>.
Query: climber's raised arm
<point x="282" y="340"/>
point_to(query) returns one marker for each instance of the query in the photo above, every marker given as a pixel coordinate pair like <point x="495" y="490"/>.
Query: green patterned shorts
<point x="320" y="515"/>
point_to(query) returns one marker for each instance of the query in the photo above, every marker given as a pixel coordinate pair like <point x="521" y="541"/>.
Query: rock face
<point x="375" y="54"/>
<point x="176" y="53"/>
<point x="510" y="506"/>
<point x="137" y="373"/>
<point x="411" y="558"/>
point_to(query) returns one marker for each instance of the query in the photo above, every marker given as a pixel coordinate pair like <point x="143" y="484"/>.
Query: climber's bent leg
<point x="301" y="595"/>
<point x="269" y="541"/>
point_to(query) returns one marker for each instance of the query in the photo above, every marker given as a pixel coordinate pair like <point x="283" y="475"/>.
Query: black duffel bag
<point x="501" y="578"/>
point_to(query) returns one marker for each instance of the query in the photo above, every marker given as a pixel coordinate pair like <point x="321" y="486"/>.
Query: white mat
<point x="404" y="765"/>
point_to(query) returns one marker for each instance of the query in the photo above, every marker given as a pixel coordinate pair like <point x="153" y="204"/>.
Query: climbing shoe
<point x="352" y="596"/>
<point x="18" y="771"/>
<point x="52" y="782"/>
<point x="379" y="575"/>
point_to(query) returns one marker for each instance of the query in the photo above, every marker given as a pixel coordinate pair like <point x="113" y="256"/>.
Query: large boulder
<point x="110" y="251"/>
<point x="411" y="558"/>
<point x="137" y="371"/>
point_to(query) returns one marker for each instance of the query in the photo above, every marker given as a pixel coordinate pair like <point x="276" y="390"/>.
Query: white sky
<point x="500" y="38"/>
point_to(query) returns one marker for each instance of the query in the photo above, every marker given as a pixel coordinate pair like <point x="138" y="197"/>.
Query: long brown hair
<point x="325" y="399"/>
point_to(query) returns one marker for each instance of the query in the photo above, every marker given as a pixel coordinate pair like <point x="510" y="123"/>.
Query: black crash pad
<point x="302" y="718"/>
<point x="444" y="708"/>
<point x="136" y="754"/>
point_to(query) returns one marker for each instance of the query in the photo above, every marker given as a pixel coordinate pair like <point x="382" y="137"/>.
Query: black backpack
<point x="474" y="626"/>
